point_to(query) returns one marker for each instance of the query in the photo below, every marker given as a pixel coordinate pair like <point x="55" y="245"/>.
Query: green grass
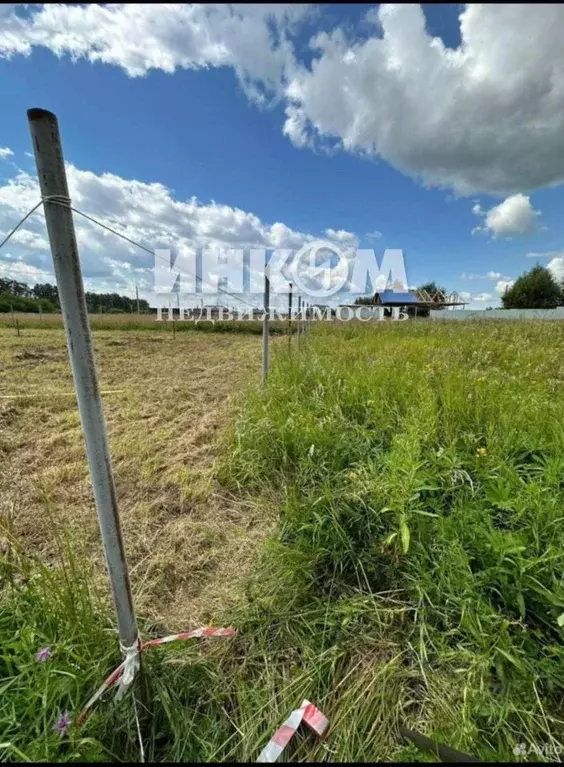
<point x="416" y="579"/>
<point x="145" y="322"/>
<point x="427" y="463"/>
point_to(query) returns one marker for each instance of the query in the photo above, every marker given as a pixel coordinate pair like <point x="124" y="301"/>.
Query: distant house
<point x="417" y="303"/>
<point x="393" y="298"/>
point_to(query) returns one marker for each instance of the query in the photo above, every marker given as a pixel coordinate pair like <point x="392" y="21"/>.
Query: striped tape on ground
<point x="308" y="714"/>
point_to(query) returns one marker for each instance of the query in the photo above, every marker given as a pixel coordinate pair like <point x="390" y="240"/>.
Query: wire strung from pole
<point x="152" y="252"/>
<point x="66" y="203"/>
<point x="23" y="220"/>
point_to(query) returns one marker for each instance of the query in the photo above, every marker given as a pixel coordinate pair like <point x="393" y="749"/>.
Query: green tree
<point x="536" y="289"/>
<point x="14" y="288"/>
<point x="47" y="291"/>
<point x="9" y="302"/>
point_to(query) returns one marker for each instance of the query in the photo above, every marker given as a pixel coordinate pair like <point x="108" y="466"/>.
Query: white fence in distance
<point x="499" y="314"/>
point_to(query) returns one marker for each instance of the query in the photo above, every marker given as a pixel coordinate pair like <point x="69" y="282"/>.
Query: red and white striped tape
<point x="308" y="714"/>
<point x="116" y="674"/>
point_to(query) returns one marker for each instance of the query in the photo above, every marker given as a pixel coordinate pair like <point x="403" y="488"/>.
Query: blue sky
<point x="176" y="100"/>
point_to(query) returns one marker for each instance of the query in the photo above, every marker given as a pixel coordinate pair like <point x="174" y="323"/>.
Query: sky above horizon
<point x="436" y="129"/>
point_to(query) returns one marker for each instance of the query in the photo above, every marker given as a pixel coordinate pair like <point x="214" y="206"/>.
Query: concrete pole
<point x="299" y="320"/>
<point x="265" y="325"/>
<point x="290" y="317"/>
<point x="60" y="227"/>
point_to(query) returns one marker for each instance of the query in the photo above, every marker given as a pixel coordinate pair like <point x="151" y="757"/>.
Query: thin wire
<point x="147" y="250"/>
<point x="15" y="229"/>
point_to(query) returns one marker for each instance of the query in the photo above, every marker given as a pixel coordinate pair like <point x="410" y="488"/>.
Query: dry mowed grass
<point x="169" y="403"/>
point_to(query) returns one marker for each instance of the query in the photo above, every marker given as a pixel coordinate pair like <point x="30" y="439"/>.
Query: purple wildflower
<point x="64" y="722"/>
<point x="43" y="655"/>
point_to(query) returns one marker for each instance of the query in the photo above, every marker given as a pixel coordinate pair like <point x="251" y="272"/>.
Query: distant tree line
<point x="20" y="297"/>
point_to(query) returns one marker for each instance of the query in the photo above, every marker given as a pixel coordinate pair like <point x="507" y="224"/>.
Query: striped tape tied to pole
<point x="128" y="668"/>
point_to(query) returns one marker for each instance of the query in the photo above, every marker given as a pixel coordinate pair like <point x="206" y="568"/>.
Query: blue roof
<point x="392" y="297"/>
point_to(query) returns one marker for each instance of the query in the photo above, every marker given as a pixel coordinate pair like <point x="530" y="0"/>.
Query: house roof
<point x="393" y="297"/>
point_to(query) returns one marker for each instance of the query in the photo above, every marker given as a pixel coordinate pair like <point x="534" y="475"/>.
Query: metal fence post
<point x="265" y="325"/>
<point x="60" y="227"/>
<point x="299" y="320"/>
<point x="290" y="317"/>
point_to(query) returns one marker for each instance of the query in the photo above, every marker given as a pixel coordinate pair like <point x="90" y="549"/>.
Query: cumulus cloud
<point x="465" y="296"/>
<point x="486" y="116"/>
<point x="342" y="237"/>
<point x="514" y="216"/>
<point x="556" y="266"/>
<point x="502" y="285"/>
<point x="12" y="268"/>
<point x="5" y="152"/>
<point x="147" y="213"/>
<point x="253" y="39"/>
<point x="481" y="298"/>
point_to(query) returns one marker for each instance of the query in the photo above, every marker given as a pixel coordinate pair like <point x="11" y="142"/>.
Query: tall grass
<point x="416" y="578"/>
<point x="427" y="464"/>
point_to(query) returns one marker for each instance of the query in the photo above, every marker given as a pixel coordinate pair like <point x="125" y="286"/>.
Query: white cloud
<point x="147" y="213"/>
<point x="5" y="152"/>
<point x="486" y="116"/>
<point x="469" y="118"/>
<point x="375" y="235"/>
<point x="15" y="269"/>
<point x="545" y="254"/>
<point x="28" y="239"/>
<point x="342" y="237"/>
<point x="253" y="39"/>
<point x="502" y="285"/>
<point x="465" y="296"/>
<point x="556" y="266"/>
<point x="514" y="216"/>
<point x="481" y="298"/>
<point x="488" y="276"/>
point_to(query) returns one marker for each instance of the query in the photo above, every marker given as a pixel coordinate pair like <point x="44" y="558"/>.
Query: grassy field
<point x="143" y="322"/>
<point x="415" y="576"/>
